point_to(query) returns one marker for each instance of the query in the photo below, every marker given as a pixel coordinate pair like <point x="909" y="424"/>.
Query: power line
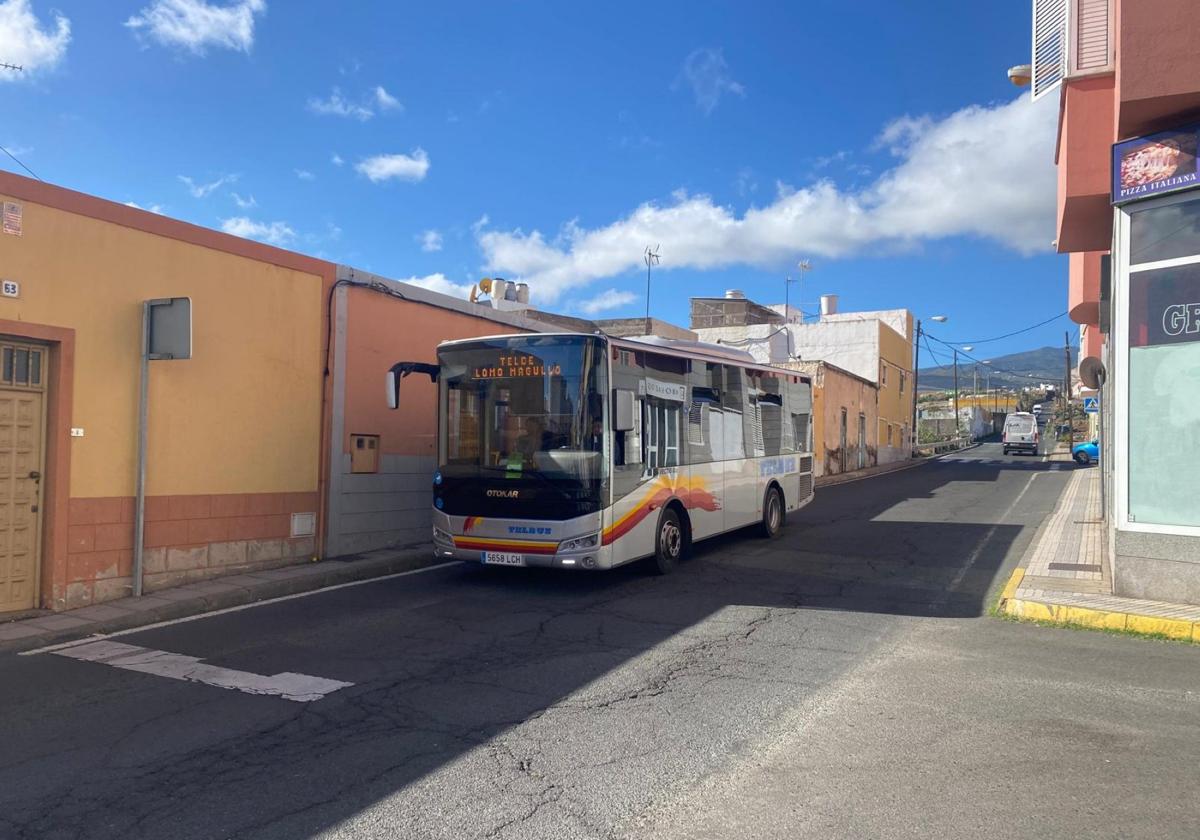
<point x="1023" y="373"/>
<point x="23" y="166"/>
<point x="1011" y="334"/>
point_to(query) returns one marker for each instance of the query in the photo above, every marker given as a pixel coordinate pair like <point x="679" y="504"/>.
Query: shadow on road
<point x="439" y="676"/>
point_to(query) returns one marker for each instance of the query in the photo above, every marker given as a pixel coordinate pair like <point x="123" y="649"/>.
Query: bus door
<point x="743" y="499"/>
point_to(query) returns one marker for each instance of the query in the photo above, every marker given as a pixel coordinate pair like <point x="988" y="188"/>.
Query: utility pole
<point x="916" y="416"/>
<point x="1067" y="390"/>
<point x="957" y="427"/>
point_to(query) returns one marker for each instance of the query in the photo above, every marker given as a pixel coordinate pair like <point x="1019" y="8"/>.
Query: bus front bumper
<point x="597" y="557"/>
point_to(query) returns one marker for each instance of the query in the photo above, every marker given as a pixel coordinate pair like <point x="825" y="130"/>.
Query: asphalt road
<point x="842" y="681"/>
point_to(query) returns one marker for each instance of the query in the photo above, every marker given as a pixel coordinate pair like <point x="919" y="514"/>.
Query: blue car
<point x="1085" y="453"/>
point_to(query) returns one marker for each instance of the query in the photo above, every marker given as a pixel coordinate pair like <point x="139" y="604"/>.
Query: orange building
<point x="1127" y="77"/>
<point x="270" y="445"/>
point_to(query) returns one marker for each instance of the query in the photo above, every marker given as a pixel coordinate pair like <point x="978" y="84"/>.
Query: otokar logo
<point x="503" y="494"/>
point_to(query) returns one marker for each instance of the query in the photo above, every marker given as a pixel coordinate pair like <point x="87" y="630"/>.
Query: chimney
<point x="735" y="294"/>
<point x="828" y="305"/>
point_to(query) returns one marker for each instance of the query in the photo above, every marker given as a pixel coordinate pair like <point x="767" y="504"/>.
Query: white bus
<point x="583" y="451"/>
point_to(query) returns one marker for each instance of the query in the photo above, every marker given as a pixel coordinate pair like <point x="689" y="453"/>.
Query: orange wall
<point x="1084" y="287"/>
<point x="1158" y="63"/>
<point x="380" y="332"/>
<point x="1084" y="164"/>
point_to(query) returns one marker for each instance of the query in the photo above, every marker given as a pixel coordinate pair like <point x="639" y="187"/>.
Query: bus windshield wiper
<point x="534" y="471"/>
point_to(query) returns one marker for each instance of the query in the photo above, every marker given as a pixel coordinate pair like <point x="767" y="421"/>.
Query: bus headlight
<point x="441" y="536"/>
<point x="580" y="543"/>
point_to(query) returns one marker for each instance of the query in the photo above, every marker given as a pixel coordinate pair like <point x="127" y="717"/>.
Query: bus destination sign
<point x="516" y="367"/>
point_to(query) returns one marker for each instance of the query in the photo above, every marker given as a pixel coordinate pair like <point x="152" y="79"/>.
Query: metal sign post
<point x="166" y="335"/>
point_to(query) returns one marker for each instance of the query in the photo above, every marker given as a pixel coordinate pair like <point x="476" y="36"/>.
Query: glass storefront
<point x="1163" y="363"/>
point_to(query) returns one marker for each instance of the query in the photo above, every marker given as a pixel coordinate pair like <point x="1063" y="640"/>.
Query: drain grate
<point x="1074" y="567"/>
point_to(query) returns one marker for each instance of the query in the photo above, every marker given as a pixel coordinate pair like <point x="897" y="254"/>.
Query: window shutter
<point x="1049" y="45"/>
<point x="1091" y="32"/>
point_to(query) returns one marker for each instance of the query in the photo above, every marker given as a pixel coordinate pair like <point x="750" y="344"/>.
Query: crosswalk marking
<point x="300" y="688"/>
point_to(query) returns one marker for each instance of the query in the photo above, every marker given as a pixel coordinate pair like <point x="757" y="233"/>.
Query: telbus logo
<point x="503" y="494"/>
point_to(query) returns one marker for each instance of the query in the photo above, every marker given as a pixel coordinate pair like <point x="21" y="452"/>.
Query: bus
<point x="579" y="451"/>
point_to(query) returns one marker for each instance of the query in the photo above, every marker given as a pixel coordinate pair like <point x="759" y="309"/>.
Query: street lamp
<point x="915" y="433"/>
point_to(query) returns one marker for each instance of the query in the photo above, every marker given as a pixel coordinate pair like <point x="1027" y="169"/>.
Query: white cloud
<point x="244" y="203"/>
<point x="24" y="42"/>
<point x="273" y="233"/>
<point x="609" y="299"/>
<point x="412" y="167"/>
<point x="336" y="160"/>
<point x="153" y="208"/>
<point x="386" y="101"/>
<point x="304" y="175"/>
<point x="430" y="241"/>
<point x="338" y="105"/>
<point x="707" y="74"/>
<point x="196" y="25"/>
<point x="439" y="283"/>
<point x="204" y="190"/>
<point x="985" y="172"/>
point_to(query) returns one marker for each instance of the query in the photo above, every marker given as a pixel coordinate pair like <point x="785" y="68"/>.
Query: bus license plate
<point x="503" y="558"/>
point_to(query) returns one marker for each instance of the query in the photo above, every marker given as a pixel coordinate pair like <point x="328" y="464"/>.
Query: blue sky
<point x="552" y="142"/>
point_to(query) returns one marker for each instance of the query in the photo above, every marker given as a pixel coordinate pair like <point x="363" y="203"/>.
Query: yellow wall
<point x="895" y="407"/>
<point x="242" y="416"/>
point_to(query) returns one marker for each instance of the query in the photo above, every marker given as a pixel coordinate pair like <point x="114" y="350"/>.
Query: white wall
<point x="765" y="342"/>
<point x="851" y="344"/>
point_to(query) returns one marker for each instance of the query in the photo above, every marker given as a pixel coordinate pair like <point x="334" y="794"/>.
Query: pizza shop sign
<point x="1155" y="164"/>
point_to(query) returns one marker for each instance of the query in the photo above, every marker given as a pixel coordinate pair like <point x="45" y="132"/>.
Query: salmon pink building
<point x="1127" y="77"/>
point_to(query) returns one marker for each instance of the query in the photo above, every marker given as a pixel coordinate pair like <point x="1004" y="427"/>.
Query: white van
<point x="1020" y="433"/>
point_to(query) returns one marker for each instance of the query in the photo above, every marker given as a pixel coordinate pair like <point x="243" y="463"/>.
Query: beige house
<point x="845" y="419"/>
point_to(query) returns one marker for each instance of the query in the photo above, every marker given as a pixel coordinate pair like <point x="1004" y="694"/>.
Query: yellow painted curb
<point x="1172" y="628"/>
<point x="1010" y="588"/>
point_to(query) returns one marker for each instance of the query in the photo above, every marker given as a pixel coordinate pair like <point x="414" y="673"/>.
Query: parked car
<point x="1085" y="453"/>
<point x="1021" y="433"/>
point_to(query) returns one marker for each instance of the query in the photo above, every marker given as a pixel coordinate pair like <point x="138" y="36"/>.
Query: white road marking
<point x="987" y="538"/>
<point x="185" y="619"/>
<point x="300" y="688"/>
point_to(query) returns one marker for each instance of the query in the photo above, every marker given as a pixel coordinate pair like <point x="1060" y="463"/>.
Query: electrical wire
<point x="23" y="166"/>
<point x="1006" y="335"/>
<point x="1022" y="373"/>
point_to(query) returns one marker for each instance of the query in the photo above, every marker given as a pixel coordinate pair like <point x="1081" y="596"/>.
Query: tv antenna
<point x="4" y="65"/>
<point x="652" y="259"/>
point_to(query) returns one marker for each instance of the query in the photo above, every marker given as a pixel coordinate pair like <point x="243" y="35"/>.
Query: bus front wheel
<point x="772" y="521"/>
<point x="669" y="545"/>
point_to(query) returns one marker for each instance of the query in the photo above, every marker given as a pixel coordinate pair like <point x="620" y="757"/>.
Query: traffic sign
<point x="1091" y="405"/>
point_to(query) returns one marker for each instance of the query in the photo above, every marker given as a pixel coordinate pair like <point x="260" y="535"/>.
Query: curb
<point x="900" y="466"/>
<point x="1093" y="619"/>
<point x="348" y="572"/>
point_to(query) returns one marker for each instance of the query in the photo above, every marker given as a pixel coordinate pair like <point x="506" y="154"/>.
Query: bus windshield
<point x="526" y="409"/>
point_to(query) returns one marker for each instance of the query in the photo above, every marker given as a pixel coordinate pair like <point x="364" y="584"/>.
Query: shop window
<point x="364" y="453"/>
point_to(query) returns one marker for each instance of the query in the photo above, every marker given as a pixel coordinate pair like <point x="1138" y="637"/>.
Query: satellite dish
<point x="484" y="286"/>
<point x="1092" y="372"/>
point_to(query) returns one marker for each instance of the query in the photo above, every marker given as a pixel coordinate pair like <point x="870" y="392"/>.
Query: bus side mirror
<point x="623" y="410"/>
<point x="402" y="369"/>
<point x="393" y="390"/>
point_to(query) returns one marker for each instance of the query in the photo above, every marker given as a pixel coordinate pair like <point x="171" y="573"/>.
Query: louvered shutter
<point x="1091" y="30"/>
<point x="1049" y="45"/>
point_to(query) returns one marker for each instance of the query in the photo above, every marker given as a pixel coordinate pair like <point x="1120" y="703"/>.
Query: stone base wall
<point x="187" y="538"/>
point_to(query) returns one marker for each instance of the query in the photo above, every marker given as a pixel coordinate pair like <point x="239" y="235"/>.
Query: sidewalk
<point x="1065" y="576"/>
<point x="205" y="596"/>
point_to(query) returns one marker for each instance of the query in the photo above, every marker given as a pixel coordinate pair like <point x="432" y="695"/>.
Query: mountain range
<point x="1013" y="371"/>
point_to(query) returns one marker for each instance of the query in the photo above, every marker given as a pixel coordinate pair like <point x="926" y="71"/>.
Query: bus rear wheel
<point x="669" y="544"/>
<point x="772" y="521"/>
